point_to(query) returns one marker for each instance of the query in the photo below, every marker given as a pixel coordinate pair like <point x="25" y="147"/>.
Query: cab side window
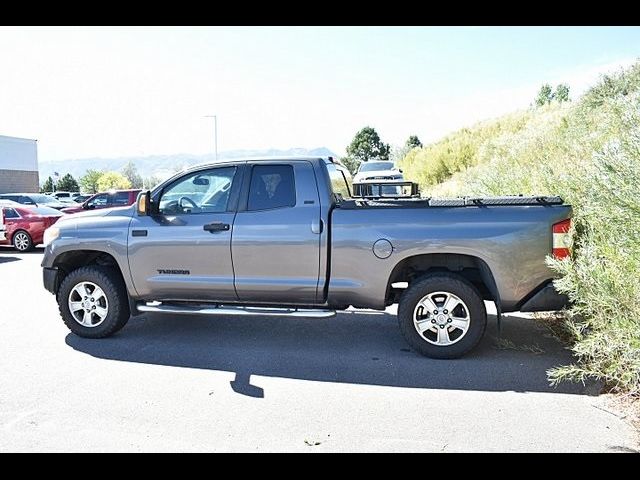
<point x="205" y="191"/>
<point x="99" y="200"/>
<point x="272" y="186"/>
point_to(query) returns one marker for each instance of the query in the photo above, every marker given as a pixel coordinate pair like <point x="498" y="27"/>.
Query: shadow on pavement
<point x="4" y="259"/>
<point x="13" y="251"/>
<point x="353" y="347"/>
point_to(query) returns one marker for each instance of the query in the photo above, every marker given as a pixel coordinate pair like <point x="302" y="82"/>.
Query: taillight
<point x="562" y="239"/>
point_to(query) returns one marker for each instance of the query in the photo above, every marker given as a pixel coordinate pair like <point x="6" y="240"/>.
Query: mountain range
<point x="162" y="166"/>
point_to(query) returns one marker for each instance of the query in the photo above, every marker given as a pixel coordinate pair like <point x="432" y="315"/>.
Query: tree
<point x="150" y="182"/>
<point x="562" y="93"/>
<point x="351" y="163"/>
<point x="413" y="142"/>
<point x="113" y="180"/>
<point x="68" y="184"/>
<point x="47" y="186"/>
<point x="545" y="95"/>
<point x="89" y="181"/>
<point x="366" y="145"/>
<point x="131" y="173"/>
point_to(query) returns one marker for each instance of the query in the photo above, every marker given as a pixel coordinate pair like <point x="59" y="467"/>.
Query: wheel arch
<point x="71" y="260"/>
<point x="472" y="268"/>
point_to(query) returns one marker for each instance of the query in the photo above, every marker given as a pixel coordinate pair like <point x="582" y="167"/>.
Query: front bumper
<point x="545" y="299"/>
<point x="50" y="279"/>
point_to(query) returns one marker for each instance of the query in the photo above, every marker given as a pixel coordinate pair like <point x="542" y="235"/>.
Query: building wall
<point x="19" y="181"/>
<point x="18" y="165"/>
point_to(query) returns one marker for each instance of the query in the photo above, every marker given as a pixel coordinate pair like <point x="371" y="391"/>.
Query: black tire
<point x="22" y="234"/>
<point x="111" y="283"/>
<point x="442" y="282"/>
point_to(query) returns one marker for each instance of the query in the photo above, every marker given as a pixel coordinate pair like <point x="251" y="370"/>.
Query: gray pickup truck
<point x="282" y="237"/>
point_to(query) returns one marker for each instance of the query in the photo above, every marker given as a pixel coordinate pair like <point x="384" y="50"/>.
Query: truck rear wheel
<point x="93" y="302"/>
<point x="442" y="316"/>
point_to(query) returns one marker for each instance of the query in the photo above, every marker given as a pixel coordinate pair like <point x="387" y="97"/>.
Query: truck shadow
<point x="4" y="259"/>
<point x="354" y="347"/>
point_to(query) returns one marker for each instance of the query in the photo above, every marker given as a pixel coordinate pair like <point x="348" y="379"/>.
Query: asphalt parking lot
<point x="348" y="383"/>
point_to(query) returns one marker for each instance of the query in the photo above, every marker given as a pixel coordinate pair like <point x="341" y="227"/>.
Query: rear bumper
<point x="50" y="279"/>
<point x="545" y="299"/>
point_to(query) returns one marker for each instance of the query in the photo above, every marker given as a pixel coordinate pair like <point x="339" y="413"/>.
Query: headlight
<point x="50" y="234"/>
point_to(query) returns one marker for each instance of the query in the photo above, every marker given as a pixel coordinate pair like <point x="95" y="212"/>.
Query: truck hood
<point x="87" y="217"/>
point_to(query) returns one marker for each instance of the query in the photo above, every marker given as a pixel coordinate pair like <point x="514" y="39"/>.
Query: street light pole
<point x="215" y="133"/>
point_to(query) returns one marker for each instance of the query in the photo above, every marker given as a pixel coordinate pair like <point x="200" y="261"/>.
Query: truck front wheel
<point x="93" y="302"/>
<point x="442" y="316"/>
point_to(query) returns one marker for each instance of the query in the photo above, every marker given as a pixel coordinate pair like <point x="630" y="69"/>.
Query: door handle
<point x="216" y="227"/>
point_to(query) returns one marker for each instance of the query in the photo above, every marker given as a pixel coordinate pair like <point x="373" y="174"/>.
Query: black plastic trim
<point x="545" y="299"/>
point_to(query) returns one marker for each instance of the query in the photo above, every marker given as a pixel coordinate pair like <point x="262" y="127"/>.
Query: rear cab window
<point x="121" y="199"/>
<point x="271" y="186"/>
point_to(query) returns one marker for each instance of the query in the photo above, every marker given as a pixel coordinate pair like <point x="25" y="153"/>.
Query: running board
<point x="229" y="310"/>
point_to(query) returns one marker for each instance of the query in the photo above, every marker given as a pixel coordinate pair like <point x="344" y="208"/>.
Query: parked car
<point x="25" y="224"/>
<point x="116" y="198"/>
<point x="81" y="198"/>
<point x="375" y="170"/>
<point x="271" y="237"/>
<point x="379" y="172"/>
<point x="61" y="195"/>
<point x="35" y="199"/>
<point x="68" y="202"/>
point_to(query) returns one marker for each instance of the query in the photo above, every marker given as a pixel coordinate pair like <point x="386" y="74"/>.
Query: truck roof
<point x="198" y="166"/>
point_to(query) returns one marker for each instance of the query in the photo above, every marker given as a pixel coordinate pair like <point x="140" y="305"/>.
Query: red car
<point x="116" y="198"/>
<point x="26" y="224"/>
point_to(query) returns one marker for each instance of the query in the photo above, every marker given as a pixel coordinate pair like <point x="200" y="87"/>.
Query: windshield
<point x="375" y="166"/>
<point x="45" y="211"/>
<point x="43" y="199"/>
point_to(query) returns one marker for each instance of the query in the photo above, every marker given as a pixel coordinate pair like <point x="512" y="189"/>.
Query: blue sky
<point x="85" y="92"/>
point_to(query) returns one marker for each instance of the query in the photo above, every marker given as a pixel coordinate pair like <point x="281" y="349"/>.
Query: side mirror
<point x="400" y="170"/>
<point x="143" y="203"/>
<point x="88" y="206"/>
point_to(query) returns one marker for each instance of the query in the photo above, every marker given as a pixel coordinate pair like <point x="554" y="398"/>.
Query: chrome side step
<point x="231" y="310"/>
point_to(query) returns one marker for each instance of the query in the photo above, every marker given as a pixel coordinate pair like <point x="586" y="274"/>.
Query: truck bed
<point x="390" y="202"/>
<point x="512" y="236"/>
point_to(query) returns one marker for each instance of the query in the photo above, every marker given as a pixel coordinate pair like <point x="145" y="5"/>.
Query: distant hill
<point x="163" y="165"/>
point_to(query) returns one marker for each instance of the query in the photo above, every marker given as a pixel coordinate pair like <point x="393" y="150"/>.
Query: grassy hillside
<point x="588" y="152"/>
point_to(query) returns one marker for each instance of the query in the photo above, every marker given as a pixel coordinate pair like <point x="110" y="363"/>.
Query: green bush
<point x="589" y="153"/>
